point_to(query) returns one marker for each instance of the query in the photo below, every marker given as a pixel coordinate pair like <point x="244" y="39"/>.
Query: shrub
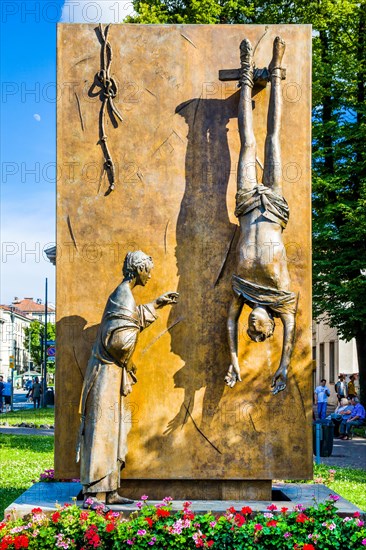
<point x="314" y="528"/>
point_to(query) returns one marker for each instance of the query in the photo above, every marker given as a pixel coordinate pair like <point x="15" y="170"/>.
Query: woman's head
<point x="260" y="324"/>
<point x="137" y="264"/>
<point x="344" y="401"/>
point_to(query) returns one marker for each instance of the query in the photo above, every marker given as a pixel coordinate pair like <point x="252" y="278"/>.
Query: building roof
<point x="28" y="305"/>
<point x="16" y="311"/>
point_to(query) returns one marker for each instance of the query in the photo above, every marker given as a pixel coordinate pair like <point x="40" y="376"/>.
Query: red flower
<point x="37" y="511"/>
<point x="272" y="507"/>
<point x="246" y="510"/>
<point x="6" y="542"/>
<point x="308" y="547"/>
<point x="84" y="516"/>
<point x="92" y="537"/>
<point x="301" y="518"/>
<point x="271" y="523"/>
<point x="210" y="543"/>
<point x="258" y="527"/>
<point x="356" y="515"/>
<point x="56" y="517"/>
<point x="149" y="521"/>
<point x="110" y="515"/>
<point x="232" y="510"/>
<point x="284" y="510"/>
<point x="162" y="513"/>
<point x="21" y="541"/>
<point x="239" y="520"/>
<point x="110" y="527"/>
<point x="188" y="515"/>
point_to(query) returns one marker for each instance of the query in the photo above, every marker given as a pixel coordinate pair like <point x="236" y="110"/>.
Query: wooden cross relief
<point x="261" y="76"/>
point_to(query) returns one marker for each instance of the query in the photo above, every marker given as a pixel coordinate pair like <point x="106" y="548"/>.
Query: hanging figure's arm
<point x="233" y="373"/>
<point x="280" y="378"/>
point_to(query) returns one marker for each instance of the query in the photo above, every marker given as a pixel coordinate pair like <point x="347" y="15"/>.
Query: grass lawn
<point x="30" y="416"/>
<point x="348" y="482"/>
<point x="22" y="459"/>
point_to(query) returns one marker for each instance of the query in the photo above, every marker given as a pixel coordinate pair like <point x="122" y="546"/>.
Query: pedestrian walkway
<point x="15" y="430"/>
<point x="348" y="454"/>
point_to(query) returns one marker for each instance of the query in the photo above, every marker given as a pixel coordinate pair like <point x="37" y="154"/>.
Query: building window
<point x="321" y="362"/>
<point x="314" y="353"/>
<point x="331" y="363"/>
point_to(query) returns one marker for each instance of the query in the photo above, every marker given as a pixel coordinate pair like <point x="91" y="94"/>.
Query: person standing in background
<point x="1" y="393"/>
<point x="341" y="388"/>
<point x="36" y="392"/>
<point x="321" y="398"/>
<point x="351" y="386"/>
<point x="7" y="395"/>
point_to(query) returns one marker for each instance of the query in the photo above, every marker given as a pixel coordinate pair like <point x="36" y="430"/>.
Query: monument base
<point x="198" y="489"/>
<point x="46" y="495"/>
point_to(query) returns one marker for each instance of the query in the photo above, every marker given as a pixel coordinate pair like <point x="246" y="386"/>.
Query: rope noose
<point x="109" y="90"/>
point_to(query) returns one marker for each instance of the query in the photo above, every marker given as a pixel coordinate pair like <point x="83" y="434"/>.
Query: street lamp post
<point x="44" y="382"/>
<point x="13" y="351"/>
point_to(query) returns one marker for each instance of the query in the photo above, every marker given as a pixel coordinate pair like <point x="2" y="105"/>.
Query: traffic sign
<point x="51" y="351"/>
<point x="51" y="342"/>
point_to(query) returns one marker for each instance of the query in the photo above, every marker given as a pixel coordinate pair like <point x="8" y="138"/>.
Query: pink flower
<point x="360" y="523"/>
<point x="141" y="532"/>
<point x="272" y="507"/>
<point x="258" y="527"/>
<point x="287" y="535"/>
<point x="144" y="497"/>
<point x="363" y="542"/>
<point x="334" y="497"/>
<point x="299" y="508"/>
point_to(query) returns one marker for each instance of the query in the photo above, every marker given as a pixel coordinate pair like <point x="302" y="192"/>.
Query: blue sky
<point x="28" y="135"/>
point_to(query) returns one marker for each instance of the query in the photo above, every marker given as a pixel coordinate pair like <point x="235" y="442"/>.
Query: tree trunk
<point x="361" y="356"/>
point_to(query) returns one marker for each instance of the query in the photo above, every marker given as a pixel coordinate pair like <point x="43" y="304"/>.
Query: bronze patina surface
<point x="175" y="156"/>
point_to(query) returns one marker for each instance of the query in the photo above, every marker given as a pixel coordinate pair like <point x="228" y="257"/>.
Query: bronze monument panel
<point x="169" y="189"/>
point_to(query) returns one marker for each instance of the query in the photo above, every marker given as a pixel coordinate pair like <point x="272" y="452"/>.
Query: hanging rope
<point x="109" y="90"/>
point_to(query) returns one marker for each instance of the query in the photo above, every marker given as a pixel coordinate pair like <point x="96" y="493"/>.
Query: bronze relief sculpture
<point x="109" y="377"/>
<point x="261" y="280"/>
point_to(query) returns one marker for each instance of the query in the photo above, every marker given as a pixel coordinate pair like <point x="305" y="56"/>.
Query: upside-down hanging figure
<point x="261" y="280"/>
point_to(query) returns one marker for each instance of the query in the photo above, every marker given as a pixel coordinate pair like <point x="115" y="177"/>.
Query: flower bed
<point x="315" y="528"/>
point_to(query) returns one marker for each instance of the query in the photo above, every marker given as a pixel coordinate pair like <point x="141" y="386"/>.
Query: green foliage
<point x="21" y="459"/>
<point x="162" y="528"/>
<point x="35" y="332"/>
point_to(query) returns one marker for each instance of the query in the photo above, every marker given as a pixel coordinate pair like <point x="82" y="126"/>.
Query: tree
<point x="339" y="139"/>
<point x="35" y="333"/>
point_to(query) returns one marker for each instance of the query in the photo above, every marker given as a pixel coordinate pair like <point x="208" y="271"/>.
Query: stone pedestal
<point x="176" y="155"/>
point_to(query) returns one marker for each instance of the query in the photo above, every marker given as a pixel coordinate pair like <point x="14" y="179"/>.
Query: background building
<point x="35" y="309"/>
<point x="13" y="320"/>
<point x="12" y="324"/>
<point x="332" y="356"/>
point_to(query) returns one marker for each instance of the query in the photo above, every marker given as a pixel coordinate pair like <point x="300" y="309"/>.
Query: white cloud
<point x="37" y="117"/>
<point x="102" y="11"/>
